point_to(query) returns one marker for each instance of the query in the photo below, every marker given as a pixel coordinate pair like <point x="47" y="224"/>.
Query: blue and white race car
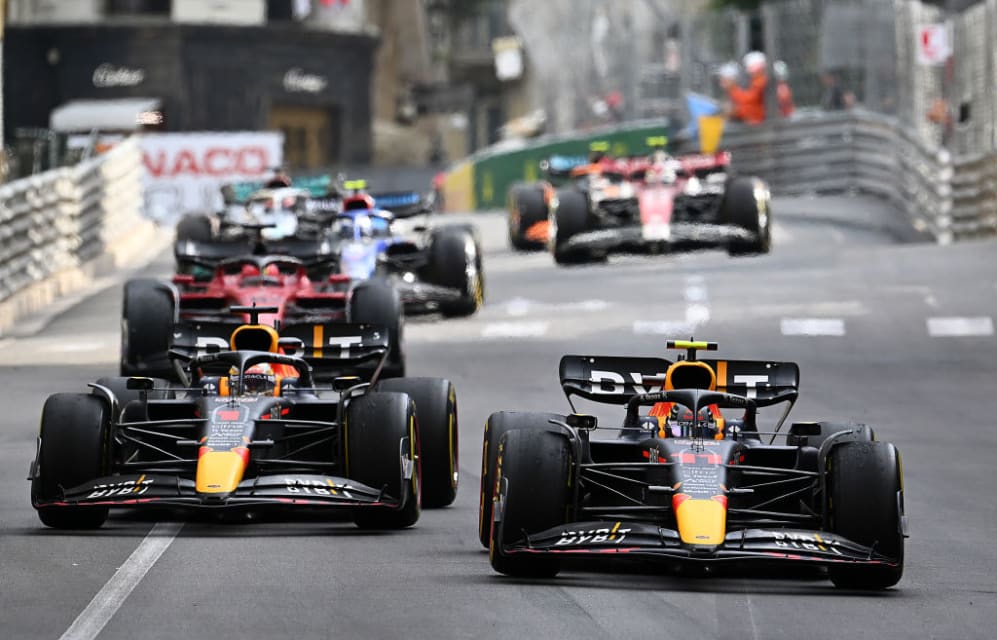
<point x="434" y="268"/>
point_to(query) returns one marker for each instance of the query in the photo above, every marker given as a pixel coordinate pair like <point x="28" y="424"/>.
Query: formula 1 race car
<point x="434" y="268"/>
<point x="684" y="484"/>
<point x="326" y="314"/>
<point x="248" y="431"/>
<point x="641" y="204"/>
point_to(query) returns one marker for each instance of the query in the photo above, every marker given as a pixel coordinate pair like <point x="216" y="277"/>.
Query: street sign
<point x="933" y="44"/>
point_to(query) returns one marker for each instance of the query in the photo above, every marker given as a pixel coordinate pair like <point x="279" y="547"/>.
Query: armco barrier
<point x="816" y="152"/>
<point x="60" y="228"/>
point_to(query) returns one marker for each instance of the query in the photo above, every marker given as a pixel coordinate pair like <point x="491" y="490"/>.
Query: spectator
<point x="748" y="104"/>
<point x="783" y="94"/>
<point x="835" y="96"/>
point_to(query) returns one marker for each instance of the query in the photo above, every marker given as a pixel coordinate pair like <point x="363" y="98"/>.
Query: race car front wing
<point x="650" y="542"/>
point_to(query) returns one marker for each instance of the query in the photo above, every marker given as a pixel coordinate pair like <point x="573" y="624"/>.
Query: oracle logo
<point x="108" y="75"/>
<point x="296" y="80"/>
<point x="212" y="161"/>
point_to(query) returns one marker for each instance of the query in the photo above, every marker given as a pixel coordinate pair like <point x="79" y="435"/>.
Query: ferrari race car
<point x="643" y="204"/>
<point x="691" y="481"/>
<point x="248" y="431"/>
<point x="434" y="268"/>
<point x="331" y="316"/>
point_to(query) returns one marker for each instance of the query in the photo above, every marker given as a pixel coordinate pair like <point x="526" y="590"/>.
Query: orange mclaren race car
<point x="249" y="430"/>
<point x="693" y="481"/>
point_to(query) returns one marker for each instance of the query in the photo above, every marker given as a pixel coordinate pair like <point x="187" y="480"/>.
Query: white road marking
<point x="697" y="313"/>
<point x="514" y="329"/>
<point x="522" y="306"/>
<point x="812" y="327"/>
<point x="949" y="327"/>
<point x="109" y="599"/>
<point x="662" y="327"/>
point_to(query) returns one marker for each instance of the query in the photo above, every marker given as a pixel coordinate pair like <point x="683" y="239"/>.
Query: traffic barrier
<point x="62" y="228"/>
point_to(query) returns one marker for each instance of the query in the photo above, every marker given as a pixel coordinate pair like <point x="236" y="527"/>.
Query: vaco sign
<point x="218" y="161"/>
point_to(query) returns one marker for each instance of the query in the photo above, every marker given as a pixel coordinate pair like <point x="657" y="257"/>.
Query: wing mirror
<point x="139" y="384"/>
<point x="342" y="383"/>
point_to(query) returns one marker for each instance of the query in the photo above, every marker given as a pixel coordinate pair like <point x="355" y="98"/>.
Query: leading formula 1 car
<point x="155" y="314"/>
<point x="692" y="480"/>
<point x="641" y="204"/>
<point x="249" y="430"/>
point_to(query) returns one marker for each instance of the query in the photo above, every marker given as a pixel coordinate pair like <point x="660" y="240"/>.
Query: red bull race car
<point x="248" y="430"/>
<point x="646" y="204"/>
<point x="691" y="480"/>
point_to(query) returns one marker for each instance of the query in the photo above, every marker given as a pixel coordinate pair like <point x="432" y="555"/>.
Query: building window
<point x="138" y="7"/>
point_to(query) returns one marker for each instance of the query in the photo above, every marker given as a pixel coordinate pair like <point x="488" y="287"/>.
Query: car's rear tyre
<point x="455" y="262"/>
<point x="865" y="505"/>
<point x="526" y="208"/>
<point x="742" y="209"/>
<point x="497" y="425"/>
<point x="194" y="227"/>
<point x="75" y="441"/>
<point x="571" y="218"/>
<point x="377" y="302"/>
<point x="436" y="416"/>
<point x="146" y="329"/>
<point x="376" y="426"/>
<point x="534" y="473"/>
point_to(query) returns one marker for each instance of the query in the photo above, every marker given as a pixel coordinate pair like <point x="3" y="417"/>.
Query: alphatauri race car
<point x="327" y="314"/>
<point x="692" y="480"/>
<point x="249" y="430"/>
<point x="645" y="204"/>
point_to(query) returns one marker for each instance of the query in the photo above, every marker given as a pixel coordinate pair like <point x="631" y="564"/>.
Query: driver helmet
<point x="258" y="380"/>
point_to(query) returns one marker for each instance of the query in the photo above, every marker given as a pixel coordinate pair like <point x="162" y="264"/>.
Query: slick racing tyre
<point x="455" y="263"/>
<point x="741" y="208"/>
<point x="571" y="218"/>
<point x="147" y="329"/>
<point x="526" y="208"/>
<point x="194" y="227"/>
<point x="381" y="441"/>
<point x="75" y="436"/>
<point x="377" y="302"/>
<point x="534" y="474"/>
<point x="497" y="425"/>
<point x="436" y="418"/>
<point x="865" y="505"/>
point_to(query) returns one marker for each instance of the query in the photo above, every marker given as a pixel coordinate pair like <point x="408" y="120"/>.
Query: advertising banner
<point x="184" y="172"/>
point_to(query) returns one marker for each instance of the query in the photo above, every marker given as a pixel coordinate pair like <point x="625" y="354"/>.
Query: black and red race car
<point x="248" y="430"/>
<point x="603" y="205"/>
<point x="693" y="480"/>
<point x="331" y="316"/>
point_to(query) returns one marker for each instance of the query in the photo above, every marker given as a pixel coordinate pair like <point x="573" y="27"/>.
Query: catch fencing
<point x="56" y="226"/>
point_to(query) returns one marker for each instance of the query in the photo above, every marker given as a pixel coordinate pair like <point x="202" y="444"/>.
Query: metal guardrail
<point x="858" y="151"/>
<point x="67" y="217"/>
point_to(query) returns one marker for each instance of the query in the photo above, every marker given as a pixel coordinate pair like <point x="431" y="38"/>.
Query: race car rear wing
<point x="614" y="380"/>
<point x="331" y="348"/>
<point x="404" y="204"/>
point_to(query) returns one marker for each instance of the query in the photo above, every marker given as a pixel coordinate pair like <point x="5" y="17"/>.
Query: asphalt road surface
<point x="896" y="334"/>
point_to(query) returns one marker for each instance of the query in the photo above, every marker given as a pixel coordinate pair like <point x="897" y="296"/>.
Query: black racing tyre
<point x="119" y="387"/>
<point x="455" y="262"/>
<point x="526" y="208"/>
<point x="195" y="227"/>
<point x="377" y="302"/>
<point x="75" y="441"/>
<point x="497" y="425"/>
<point x="376" y="426"/>
<point x="436" y="416"/>
<point x="146" y="329"/>
<point x="741" y="209"/>
<point x="865" y="505"/>
<point x="571" y="218"/>
<point x="535" y="473"/>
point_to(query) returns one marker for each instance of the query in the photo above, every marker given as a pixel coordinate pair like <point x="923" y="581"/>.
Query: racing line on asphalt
<point x="115" y="591"/>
